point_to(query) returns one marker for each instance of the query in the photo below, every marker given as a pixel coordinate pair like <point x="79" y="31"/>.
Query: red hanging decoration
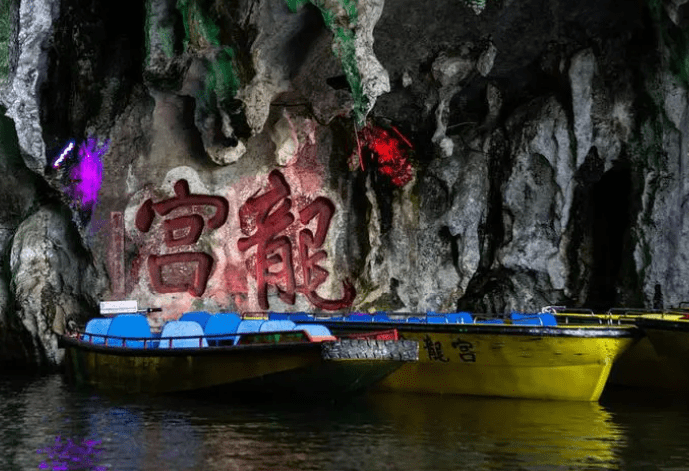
<point x="388" y="150"/>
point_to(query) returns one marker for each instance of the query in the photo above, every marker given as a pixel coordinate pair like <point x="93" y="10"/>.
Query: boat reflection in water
<point x="504" y="433"/>
<point x="375" y="432"/>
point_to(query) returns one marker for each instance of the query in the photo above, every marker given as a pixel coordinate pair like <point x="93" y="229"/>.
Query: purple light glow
<point x="67" y="455"/>
<point x="87" y="175"/>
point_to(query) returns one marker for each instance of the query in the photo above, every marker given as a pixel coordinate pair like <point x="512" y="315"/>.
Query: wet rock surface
<point x="52" y="282"/>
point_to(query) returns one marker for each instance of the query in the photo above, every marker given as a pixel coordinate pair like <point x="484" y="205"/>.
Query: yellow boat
<point x="517" y="358"/>
<point x="669" y="336"/>
<point x="228" y="356"/>
<point x="640" y="366"/>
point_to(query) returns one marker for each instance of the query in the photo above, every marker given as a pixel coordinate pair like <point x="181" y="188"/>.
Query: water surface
<point x="46" y="424"/>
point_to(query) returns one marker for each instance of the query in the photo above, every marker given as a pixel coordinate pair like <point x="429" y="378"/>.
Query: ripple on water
<point x="376" y="432"/>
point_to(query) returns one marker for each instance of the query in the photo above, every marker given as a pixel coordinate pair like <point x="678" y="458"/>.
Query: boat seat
<point x="317" y="332"/>
<point x="97" y="326"/>
<point x="278" y="316"/>
<point x="222" y="323"/>
<point x="277" y="326"/>
<point x="300" y="316"/>
<point x="130" y="326"/>
<point x="174" y="329"/>
<point x="489" y="321"/>
<point x="533" y="319"/>
<point x="359" y="318"/>
<point x="381" y="318"/>
<point x="249" y="326"/>
<point x="415" y="320"/>
<point x="200" y="317"/>
<point x="436" y="319"/>
<point x="460" y="318"/>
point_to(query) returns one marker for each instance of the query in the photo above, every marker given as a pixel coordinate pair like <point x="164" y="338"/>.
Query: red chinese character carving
<point x="145" y="215"/>
<point x="200" y="278"/>
<point x="262" y="219"/>
<point x="314" y="275"/>
<point x="257" y="214"/>
<point x="181" y="231"/>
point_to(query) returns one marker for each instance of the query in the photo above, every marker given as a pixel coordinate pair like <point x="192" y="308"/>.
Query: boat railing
<point x="564" y="313"/>
<point x="154" y="342"/>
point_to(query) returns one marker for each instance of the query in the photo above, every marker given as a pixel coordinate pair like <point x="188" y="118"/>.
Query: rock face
<point x="340" y="155"/>
<point x="49" y="280"/>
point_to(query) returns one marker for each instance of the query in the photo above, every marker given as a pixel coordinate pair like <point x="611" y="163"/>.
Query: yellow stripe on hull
<point x="521" y="366"/>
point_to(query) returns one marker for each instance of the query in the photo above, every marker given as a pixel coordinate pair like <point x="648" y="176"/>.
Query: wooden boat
<point x="669" y="335"/>
<point x="640" y="366"/>
<point x="525" y="356"/>
<point x="227" y="355"/>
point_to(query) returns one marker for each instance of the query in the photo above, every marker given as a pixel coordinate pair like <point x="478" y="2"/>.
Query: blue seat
<point x="415" y="320"/>
<point x="436" y="319"/>
<point x="381" y="317"/>
<point x="460" y="318"/>
<point x="129" y="326"/>
<point x="249" y="326"/>
<point x="222" y="323"/>
<point x="200" y="317"/>
<point x="359" y="318"/>
<point x="174" y="329"/>
<point x="533" y="319"/>
<point x="97" y="326"/>
<point x="314" y="330"/>
<point x="278" y="316"/>
<point x="276" y="326"/>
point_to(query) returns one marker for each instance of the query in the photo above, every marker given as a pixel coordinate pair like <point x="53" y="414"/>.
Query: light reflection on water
<point x="628" y="430"/>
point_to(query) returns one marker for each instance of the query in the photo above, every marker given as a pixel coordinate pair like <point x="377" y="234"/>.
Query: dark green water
<point x="45" y="424"/>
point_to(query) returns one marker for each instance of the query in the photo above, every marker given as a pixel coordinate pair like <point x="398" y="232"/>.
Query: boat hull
<point x="304" y="367"/>
<point x="640" y="366"/>
<point x="670" y="339"/>
<point x="559" y="363"/>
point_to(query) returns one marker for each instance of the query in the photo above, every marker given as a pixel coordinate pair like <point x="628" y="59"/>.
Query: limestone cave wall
<point x="338" y="155"/>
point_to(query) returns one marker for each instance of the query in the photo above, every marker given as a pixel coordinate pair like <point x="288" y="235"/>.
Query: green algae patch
<point x="200" y="32"/>
<point x="346" y="52"/>
<point x="344" y="47"/>
<point x="5" y="37"/>
<point x="295" y="5"/>
<point x="223" y="78"/>
<point x="675" y="38"/>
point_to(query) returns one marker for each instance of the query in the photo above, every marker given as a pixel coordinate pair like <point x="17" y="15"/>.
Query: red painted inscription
<point x="186" y="271"/>
<point x="116" y="254"/>
<point x="264" y="218"/>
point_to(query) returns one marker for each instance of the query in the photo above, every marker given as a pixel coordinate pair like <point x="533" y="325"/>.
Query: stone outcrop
<point x="28" y="63"/>
<point x="50" y="280"/>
